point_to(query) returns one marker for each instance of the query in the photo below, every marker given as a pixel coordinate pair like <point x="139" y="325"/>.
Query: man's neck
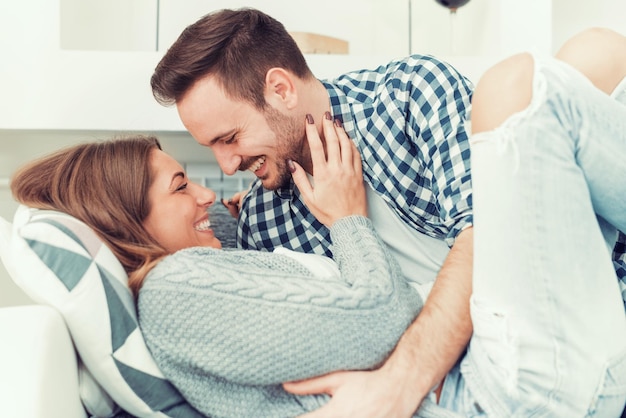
<point x="316" y="103"/>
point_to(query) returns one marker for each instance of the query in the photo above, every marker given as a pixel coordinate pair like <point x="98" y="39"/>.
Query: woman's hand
<point x="234" y="203"/>
<point x="337" y="190"/>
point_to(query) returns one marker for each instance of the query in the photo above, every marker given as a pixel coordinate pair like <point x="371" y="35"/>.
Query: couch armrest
<point x="38" y="366"/>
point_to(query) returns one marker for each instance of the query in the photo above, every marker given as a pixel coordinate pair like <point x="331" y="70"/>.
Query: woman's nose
<point x="204" y="196"/>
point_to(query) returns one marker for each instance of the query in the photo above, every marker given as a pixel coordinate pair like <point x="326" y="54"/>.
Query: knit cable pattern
<point x="228" y="327"/>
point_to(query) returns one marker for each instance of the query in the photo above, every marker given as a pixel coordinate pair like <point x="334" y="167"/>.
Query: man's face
<point x="242" y="137"/>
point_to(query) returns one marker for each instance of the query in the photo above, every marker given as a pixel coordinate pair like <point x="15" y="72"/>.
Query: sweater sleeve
<point x="253" y="318"/>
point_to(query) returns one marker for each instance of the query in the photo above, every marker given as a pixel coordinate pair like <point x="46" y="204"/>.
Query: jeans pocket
<point x="472" y="408"/>
<point x="610" y="399"/>
<point x="492" y="333"/>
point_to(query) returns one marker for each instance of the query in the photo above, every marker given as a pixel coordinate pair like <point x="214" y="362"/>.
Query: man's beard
<point x="289" y="140"/>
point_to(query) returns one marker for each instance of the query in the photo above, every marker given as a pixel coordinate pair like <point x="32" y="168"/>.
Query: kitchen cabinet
<point x="50" y="88"/>
<point x="371" y="27"/>
<point x="47" y="87"/>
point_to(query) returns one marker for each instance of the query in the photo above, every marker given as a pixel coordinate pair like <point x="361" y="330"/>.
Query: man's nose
<point x="228" y="161"/>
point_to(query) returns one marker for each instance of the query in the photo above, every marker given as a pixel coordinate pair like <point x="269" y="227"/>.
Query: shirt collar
<point x="341" y="109"/>
<point x="287" y="192"/>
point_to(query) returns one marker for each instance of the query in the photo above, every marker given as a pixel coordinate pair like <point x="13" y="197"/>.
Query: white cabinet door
<point x="47" y="88"/>
<point x="111" y="25"/>
<point x="376" y="31"/>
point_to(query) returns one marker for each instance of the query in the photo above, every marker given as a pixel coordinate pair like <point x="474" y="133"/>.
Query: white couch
<point x="38" y="365"/>
<point x="82" y="342"/>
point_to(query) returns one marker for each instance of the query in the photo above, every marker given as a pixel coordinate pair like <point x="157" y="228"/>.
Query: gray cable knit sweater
<point x="227" y="327"/>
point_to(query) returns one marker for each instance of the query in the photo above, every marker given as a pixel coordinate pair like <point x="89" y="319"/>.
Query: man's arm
<point x="425" y="353"/>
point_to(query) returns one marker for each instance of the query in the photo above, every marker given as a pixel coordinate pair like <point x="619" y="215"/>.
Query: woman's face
<point x="178" y="216"/>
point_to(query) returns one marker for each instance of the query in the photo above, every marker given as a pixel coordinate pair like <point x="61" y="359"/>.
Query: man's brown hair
<point x="237" y="47"/>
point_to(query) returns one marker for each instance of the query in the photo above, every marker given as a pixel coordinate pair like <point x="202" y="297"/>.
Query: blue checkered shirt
<point x="407" y="120"/>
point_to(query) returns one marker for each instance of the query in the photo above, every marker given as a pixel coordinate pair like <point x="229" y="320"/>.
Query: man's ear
<point x="280" y="89"/>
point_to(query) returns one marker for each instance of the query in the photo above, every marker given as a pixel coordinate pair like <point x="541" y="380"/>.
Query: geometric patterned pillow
<point x="59" y="261"/>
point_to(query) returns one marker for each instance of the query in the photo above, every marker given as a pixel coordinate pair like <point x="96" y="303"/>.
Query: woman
<point x="229" y="327"/>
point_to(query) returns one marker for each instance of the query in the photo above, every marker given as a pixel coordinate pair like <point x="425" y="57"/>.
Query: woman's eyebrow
<point x="177" y="175"/>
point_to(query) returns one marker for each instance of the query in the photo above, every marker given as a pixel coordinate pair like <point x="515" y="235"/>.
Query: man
<point x="243" y="88"/>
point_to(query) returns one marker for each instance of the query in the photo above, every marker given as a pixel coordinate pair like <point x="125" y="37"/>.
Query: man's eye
<point x="230" y="140"/>
<point x="181" y="187"/>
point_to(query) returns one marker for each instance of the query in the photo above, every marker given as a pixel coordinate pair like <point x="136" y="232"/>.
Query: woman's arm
<point x="260" y="318"/>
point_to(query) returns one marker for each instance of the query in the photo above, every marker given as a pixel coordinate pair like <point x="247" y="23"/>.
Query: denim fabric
<point x="619" y="251"/>
<point x="549" y="321"/>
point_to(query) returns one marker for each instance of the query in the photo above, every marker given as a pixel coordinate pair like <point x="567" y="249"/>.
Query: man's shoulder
<point x="407" y="64"/>
<point x="400" y="73"/>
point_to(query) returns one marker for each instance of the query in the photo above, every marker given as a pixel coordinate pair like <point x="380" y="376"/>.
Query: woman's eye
<point x="181" y="187"/>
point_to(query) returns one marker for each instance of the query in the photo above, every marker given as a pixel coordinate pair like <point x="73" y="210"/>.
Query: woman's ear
<point x="280" y="89"/>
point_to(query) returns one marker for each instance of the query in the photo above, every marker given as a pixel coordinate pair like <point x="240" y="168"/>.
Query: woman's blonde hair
<point x="105" y="185"/>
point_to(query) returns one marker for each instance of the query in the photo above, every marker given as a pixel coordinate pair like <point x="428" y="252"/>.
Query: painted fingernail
<point x="338" y="123"/>
<point x="291" y="165"/>
<point x="309" y="119"/>
<point x="327" y="116"/>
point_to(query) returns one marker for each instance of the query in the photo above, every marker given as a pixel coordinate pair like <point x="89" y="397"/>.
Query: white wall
<point x="111" y="25"/>
<point x="10" y="294"/>
<point x="572" y="16"/>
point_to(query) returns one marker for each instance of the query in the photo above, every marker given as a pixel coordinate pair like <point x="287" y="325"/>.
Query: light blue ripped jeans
<point x="549" y="321"/>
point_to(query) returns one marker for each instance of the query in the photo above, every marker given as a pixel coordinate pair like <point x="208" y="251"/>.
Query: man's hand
<point x="424" y="355"/>
<point x="357" y="394"/>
